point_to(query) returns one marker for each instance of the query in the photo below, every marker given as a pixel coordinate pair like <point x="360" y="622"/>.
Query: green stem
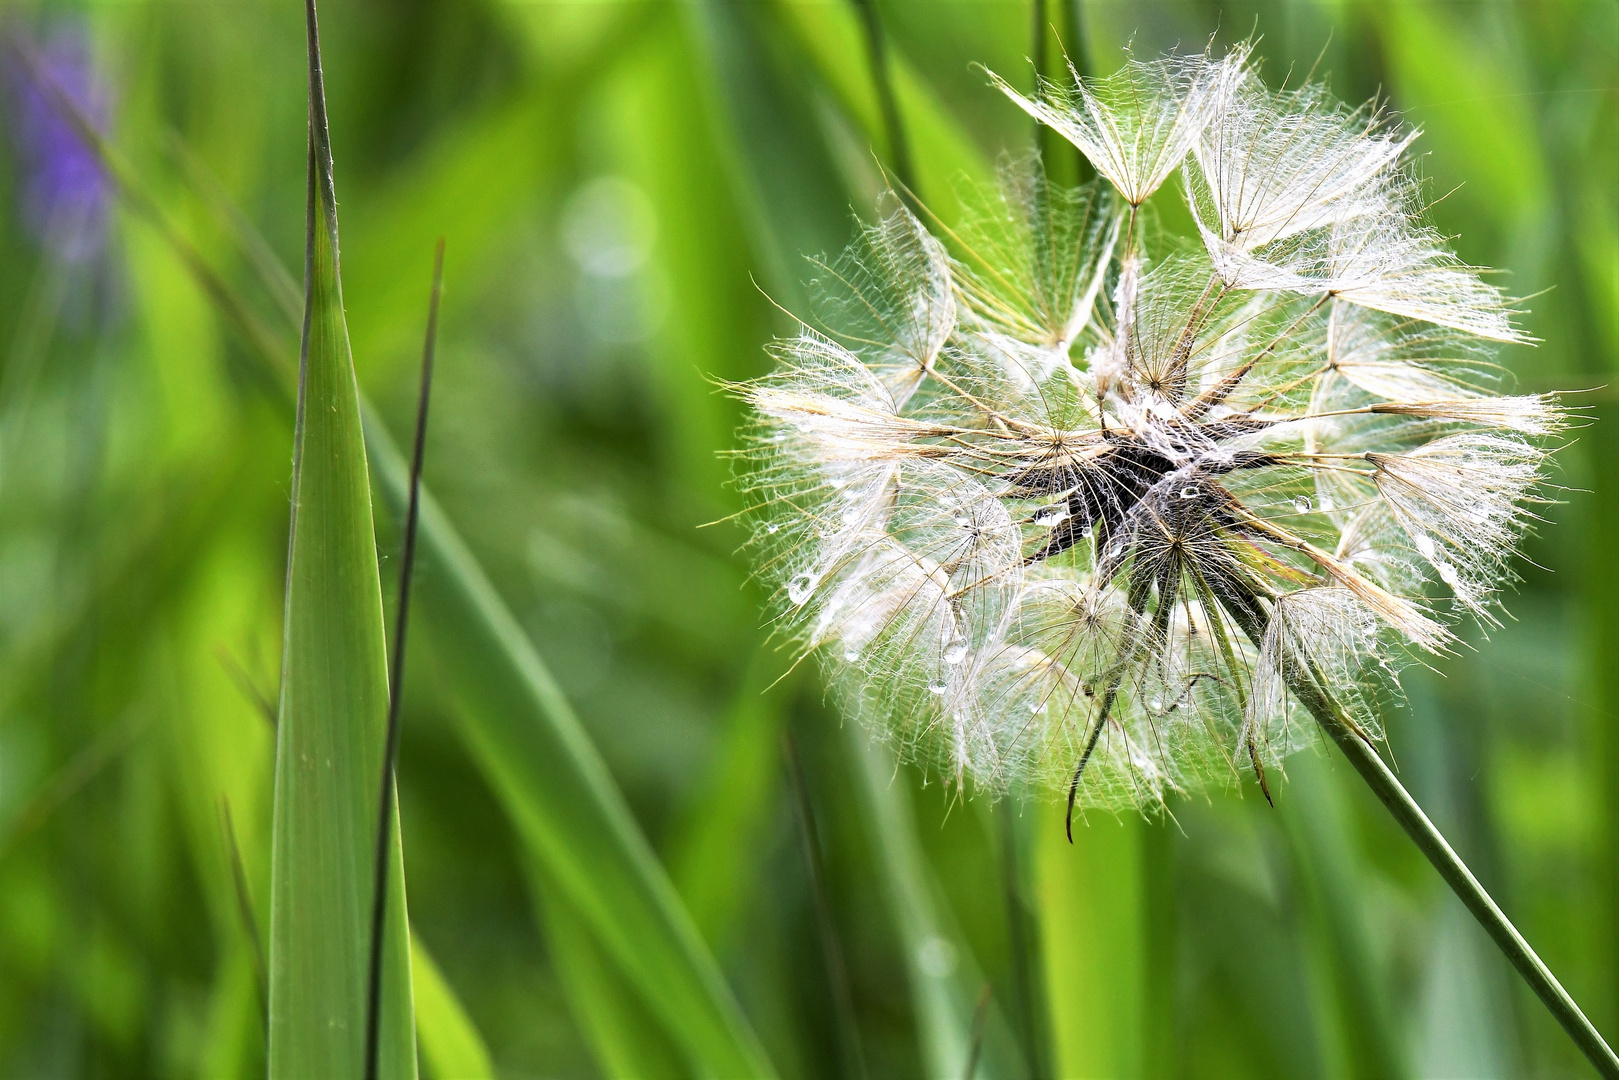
<point x="1309" y="687"/>
<point x="1387" y="787"/>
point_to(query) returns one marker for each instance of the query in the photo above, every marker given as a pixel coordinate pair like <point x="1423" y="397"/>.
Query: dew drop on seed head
<point x="1303" y="504"/>
<point x="851" y="655"/>
<point x="799" y="589"/>
<point x="955" y="652"/>
<point x="1189" y="492"/>
<point x="1050" y="515"/>
<point x="937" y="688"/>
<point x="772" y="526"/>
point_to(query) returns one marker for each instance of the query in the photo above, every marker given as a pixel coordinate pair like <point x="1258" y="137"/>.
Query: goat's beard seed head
<point x="1050" y="486"/>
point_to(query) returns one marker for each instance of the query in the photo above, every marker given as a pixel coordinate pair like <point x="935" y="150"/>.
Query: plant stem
<point x="396" y="684"/>
<point x="899" y="149"/>
<point x="837" y="974"/>
<point x="1387" y="787"/>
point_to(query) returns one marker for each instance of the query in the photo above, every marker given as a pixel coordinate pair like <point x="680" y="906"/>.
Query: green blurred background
<point x="624" y="188"/>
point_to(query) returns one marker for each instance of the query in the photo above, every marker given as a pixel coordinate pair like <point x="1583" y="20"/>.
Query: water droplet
<point x="1048" y="516"/>
<point x="772" y="527"/>
<point x="1425" y="545"/>
<point x="799" y="589"/>
<point x="955" y="652"/>
<point x="851" y="655"/>
<point x="1448" y="574"/>
<point x="1037" y="708"/>
<point x="1303" y="504"/>
<point x="963" y="520"/>
<point x="937" y="688"/>
<point x="1189" y="492"/>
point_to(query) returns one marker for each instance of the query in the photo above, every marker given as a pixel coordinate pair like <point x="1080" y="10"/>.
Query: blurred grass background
<point x="621" y="186"/>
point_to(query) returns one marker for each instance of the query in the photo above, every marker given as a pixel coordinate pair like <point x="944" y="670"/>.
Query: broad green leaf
<point x="334" y="698"/>
<point x="451" y="1044"/>
<point x="561" y="798"/>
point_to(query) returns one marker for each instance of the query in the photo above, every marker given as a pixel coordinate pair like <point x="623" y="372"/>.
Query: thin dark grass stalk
<point x="247" y="910"/>
<point x="837" y="975"/>
<point x="899" y="147"/>
<point x="975" y="1047"/>
<point x="385" y="798"/>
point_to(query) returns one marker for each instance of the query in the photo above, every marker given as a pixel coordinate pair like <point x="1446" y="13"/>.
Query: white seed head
<point x="1053" y="494"/>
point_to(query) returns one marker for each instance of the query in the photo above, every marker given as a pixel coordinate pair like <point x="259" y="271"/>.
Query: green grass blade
<point x="1320" y="847"/>
<point x="945" y="980"/>
<point x="334" y="695"/>
<point x="733" y="807"/>
<point x="560" y="796"/>
<point x="627" y="1041"/>
<point x="451" y="1044"/>
<point x="1090" y="925"/>
<point x="941" y="151"/>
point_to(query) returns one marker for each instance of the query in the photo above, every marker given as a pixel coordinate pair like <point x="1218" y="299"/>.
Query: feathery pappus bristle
<point x="1063" y="500"/>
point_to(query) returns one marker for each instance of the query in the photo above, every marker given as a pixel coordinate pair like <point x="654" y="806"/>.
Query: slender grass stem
<point x="899" y="149"/>
<point x="1018" y="941"/>
<point x="385" y="798"/>
<point x="837" y="975"/>
<point x="246" y="909"/>
<point x="975" y="1046"/>
<point x="1388" y="789"/>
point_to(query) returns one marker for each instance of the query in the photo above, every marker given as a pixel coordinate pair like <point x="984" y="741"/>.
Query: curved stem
<point x="1387" y="787"/>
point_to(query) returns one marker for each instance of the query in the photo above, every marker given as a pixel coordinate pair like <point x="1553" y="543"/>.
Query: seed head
<point x="1055" y="493"/>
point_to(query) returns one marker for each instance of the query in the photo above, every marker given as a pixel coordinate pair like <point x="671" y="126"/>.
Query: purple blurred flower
<point x="64" y="195"/>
